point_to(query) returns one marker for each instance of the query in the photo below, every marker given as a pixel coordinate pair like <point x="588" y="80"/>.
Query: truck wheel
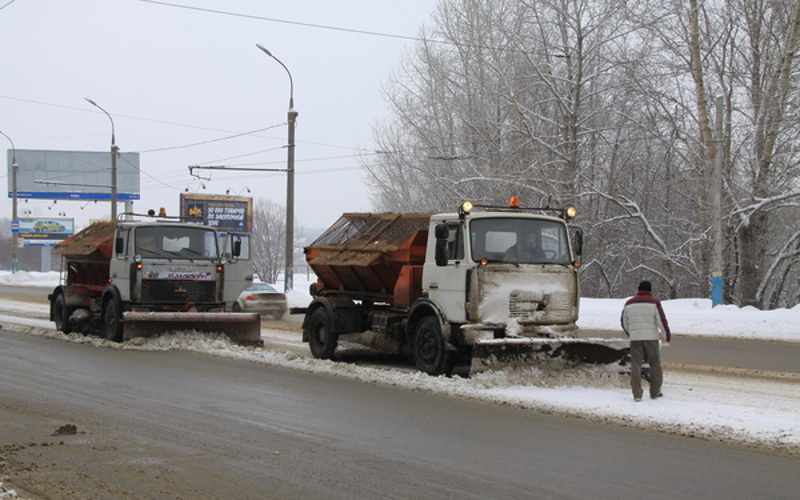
<point x="428" y="347"/>
<point x="112" y="320"/>
<point x="61" y="314"/>
<point x="321" y="338"/>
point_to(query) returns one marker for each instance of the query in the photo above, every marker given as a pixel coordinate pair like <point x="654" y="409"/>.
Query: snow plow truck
<point x="487" y="286"/>
<point x="125" y="279"/>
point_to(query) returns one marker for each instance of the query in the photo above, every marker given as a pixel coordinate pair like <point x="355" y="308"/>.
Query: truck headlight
<point x="571" y="212"/>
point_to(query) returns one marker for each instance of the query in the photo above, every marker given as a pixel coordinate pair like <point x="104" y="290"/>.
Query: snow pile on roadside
<point x="697" y="317"/>
<point x="6" y="493"/>
<point x="30" y="278"/>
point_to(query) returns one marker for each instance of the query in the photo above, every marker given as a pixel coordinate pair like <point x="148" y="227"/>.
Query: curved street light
<point x="288" y="279"/>
<point x="291" y="80"/>
<point x="14" y="234"/>
<point x="114" y="150"/>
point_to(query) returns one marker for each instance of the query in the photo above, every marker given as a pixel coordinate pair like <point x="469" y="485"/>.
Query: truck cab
<point x="140" y="278"/>
<point x="499" y="272"/>
<point x="161" y="266"/>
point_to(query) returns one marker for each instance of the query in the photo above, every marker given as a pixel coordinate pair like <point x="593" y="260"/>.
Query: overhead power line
<point x="139" y="118"/>
<point x="285" y="21"/>
<point x="177" y="124"/>
<point x="328" y="27"/>
<point x="211" y="141"/>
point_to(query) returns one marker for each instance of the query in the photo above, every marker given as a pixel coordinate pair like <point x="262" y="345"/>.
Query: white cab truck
<point x="486" y="285"/>
<point x="124" y="279"/>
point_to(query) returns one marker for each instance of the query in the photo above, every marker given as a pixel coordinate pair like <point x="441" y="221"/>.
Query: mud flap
<point x="547" y="353"/>
<point x="241" y="328"/>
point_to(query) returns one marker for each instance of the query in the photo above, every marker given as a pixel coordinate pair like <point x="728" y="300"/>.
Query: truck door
<point x="447" y="284"/>
<point x="120" y="265"/>
<point x="238" y="270"/>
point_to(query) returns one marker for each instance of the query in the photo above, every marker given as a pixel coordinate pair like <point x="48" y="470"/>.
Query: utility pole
<point x="114" y="151"/>
<point x="717" y="278"/>
<point x="14" y="220"/>
<point x="288" y="280"/>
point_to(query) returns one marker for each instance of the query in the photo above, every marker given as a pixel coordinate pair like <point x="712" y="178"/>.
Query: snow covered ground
<point x="757" y="411"/>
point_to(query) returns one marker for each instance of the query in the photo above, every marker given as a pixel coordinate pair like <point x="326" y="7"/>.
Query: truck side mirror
<point x="441" y="233"/>
<point x="119" y="245"/>
<point x="237" y="246"/>
<point x="578" y="242"/>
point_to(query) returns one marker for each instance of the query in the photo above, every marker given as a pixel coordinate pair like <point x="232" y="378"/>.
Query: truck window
<point x="520" y="241"/>
<point x="124" y="234"/>
<point x="176" y="242"/>
<point x="455" y="242"/>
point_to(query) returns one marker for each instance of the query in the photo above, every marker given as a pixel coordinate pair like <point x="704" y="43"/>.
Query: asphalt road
<point x="185" y="425"/>
<point x="30" y="294"/>
<point x="783" y="357"/>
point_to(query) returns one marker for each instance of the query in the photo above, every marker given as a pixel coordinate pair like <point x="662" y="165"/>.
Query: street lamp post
<point x="288" y="283"/>
<point x="14" y="234"/>
<point x="114" y="150"/>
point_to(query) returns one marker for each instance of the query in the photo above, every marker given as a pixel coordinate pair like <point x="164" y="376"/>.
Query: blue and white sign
<point x="45" y="231"/>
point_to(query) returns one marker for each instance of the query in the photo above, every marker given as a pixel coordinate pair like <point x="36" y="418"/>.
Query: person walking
<point x="645" y="323"/>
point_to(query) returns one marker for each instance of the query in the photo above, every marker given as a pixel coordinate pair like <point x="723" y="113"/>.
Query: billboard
<point x="231" y="214"/>
<point x="51" y="231"/>
<point x="73" y="175"/>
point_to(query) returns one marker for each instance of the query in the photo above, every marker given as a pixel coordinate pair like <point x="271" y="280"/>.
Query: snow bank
<point x="697" y="317"/>
<point x="30" y="278"/>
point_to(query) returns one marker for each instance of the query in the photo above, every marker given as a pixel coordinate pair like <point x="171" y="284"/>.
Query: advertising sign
<point x="233" y="214"/>
<point x="35" y="231"/>
<point x="73" y="175"/>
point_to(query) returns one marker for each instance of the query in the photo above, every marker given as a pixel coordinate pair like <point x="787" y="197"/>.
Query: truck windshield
<point x="176" y="242"/>
<point x="520" y="241"/>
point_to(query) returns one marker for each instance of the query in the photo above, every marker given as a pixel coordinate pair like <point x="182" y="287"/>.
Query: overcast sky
<point x="174" y="77"/>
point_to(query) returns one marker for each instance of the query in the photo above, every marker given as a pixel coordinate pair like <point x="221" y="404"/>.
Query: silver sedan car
<point x="262" y="298"/>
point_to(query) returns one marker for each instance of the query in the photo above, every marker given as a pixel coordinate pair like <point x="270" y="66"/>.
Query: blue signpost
<point x="717" y="285"/>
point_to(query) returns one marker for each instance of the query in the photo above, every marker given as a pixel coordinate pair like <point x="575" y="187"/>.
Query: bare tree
<point x="771" y="172"/>
<point x="269" y="234"/>
<point x="744" y="51"/>
<point x="610" y="103"/>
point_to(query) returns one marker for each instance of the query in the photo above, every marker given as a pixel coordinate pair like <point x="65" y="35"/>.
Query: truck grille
<point x="547" y="308"/>
<point x="522" y="305"/>
<point x="178" y="291"/>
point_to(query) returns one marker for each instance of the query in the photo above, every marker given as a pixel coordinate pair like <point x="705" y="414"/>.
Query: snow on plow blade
<point x="545" y="352"/>
<point x="241" y="328"/>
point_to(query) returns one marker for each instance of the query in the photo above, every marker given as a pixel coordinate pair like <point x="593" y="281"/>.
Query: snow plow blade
<point x="241" y="328"/>
<point x="548" y="353"/>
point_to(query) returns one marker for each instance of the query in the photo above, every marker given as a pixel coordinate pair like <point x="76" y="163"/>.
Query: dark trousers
<point x="641" y="351"/>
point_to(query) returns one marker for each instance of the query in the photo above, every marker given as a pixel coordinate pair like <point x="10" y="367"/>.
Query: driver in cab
<point x="527" y="249"/>
<point x="147" y="245"/>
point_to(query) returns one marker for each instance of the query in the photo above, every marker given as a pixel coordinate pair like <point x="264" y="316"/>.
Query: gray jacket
<point x="644" y="319"/>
